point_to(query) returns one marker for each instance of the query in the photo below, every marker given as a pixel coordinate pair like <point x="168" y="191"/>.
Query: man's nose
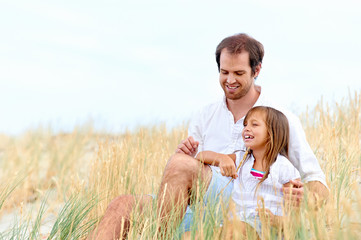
<point x="230" y="79"/>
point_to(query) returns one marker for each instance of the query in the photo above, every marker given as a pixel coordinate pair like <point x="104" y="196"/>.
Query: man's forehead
<point x="240" y="58"/>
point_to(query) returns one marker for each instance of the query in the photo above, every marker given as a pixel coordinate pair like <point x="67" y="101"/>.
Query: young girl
<point x="263" y="171"/>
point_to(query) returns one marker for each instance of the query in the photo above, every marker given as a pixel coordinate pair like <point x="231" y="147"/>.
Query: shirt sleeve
<point x="238" y="157"/>
<point x="195" y="129"/>
<point x="288" y="172"/>
<point x="301" y="154"/>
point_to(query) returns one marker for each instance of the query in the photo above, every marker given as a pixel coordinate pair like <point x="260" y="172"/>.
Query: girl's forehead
<point x="257" y="114"/>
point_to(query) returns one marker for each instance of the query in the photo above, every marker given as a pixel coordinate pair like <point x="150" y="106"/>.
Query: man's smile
<point x="232" y="87"/>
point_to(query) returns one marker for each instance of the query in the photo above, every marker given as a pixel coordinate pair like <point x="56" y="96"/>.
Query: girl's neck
<point x="259" y="161"/>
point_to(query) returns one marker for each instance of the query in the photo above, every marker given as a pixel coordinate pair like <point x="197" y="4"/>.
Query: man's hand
<point x="188" y="146"/>
<point x="293" y="192"/>
<point x="227" y="166"/>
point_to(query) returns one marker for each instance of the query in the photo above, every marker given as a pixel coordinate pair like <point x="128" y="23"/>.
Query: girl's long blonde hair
<point x="278" y="135"/>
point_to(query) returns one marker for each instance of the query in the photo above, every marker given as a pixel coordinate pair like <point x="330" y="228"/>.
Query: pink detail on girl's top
<point x="257" y="174"/>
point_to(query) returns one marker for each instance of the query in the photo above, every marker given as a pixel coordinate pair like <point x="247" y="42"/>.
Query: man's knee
<point x="185" y="169"/>
<point x="183" y="162"/>
<point x="121" y="203"/>
<point x="181" y="165"/>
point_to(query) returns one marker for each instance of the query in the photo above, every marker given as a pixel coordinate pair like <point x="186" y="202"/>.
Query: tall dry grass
<point x="74" y="176"/>
<point x="334" y="133"/>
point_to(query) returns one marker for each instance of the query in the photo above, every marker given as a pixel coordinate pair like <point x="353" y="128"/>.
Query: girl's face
<point x="254" y="133"/>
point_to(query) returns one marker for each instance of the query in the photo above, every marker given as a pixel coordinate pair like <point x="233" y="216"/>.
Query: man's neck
<point x="241" y="106"/>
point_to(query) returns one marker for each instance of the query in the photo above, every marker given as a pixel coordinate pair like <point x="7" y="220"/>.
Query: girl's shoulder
<point x="240" y="155"/>
<point x="284" y="169"/>
<point x="282" y="161"/>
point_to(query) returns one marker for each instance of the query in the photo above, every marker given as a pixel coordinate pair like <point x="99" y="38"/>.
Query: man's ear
<point x="258" y="70"/>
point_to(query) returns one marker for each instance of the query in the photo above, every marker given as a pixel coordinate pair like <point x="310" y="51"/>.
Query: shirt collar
<point x="224" y="102"/>
<point x="261" y="99"/>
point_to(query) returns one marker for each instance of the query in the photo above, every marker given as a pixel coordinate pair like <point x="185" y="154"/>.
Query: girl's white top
<point x="281" y="172"/>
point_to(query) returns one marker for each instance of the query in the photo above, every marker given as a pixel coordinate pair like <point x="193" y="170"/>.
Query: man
<point x="218" y="128"/>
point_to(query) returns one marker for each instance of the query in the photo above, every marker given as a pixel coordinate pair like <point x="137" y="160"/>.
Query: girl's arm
<point x="274" y="220"/>
<point x="226" y="162"/>
<point x="213" y="158"/>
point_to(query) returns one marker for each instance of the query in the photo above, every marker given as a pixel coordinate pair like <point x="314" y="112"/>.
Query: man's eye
<point x="239" y="74"/>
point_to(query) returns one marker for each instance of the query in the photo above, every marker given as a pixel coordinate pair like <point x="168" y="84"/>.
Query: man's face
<point x="235" y="74"/>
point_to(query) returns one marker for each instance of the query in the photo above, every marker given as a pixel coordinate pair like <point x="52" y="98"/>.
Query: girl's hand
<point x="227" y="166"/>
<point x="266" y="215"/>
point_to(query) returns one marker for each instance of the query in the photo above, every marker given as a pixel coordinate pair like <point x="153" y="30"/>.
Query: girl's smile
<point x="255" y="133"/>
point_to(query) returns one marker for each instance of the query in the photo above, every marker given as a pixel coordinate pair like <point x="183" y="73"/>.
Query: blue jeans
<point x="211" y="200"/>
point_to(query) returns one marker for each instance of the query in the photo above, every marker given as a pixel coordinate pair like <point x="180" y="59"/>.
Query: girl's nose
<point x="245" y="129"/>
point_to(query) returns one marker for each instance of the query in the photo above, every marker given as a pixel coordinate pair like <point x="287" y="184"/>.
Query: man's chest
<point x="223" y="136"/>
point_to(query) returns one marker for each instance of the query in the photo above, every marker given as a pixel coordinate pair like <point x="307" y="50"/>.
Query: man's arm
<point x="294" y="191"/>
<point x="319" y="192"/>
<point x="303" y="158"/>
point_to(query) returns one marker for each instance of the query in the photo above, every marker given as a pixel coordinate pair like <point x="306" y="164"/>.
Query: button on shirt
<point x="216" y="131"/>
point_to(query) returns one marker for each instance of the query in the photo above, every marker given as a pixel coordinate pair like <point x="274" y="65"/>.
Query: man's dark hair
<point x="242" y="42"/>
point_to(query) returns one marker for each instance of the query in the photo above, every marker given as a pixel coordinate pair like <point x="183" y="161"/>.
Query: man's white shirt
<point x="216" y="131"/>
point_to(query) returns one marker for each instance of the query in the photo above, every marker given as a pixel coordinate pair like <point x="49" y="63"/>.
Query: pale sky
<point x="129" y="63"/>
